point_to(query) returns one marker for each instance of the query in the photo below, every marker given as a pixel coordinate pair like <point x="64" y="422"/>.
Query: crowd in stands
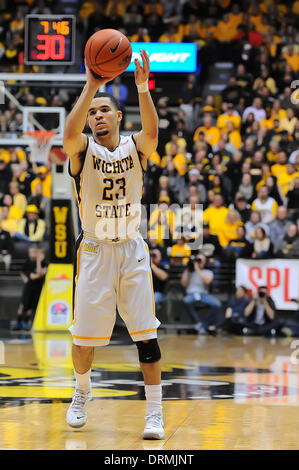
<point x="235" y="154"/>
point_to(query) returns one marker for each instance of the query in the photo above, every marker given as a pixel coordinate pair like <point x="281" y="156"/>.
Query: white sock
<point x="153" y="395"/>
<point x="83" y="381"/>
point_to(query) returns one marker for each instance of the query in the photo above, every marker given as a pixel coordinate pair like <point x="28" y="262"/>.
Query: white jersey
<point x="108" y="190"/>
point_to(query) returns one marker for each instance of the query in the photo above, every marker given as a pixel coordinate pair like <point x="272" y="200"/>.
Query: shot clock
<point x="49" y="40"/>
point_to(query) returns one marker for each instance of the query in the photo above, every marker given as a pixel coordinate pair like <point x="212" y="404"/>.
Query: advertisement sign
<point x="166" y="56"/>
<point x="62" y="233"/>
<point x="281" y="277"/>
<point x="54" y="310"/>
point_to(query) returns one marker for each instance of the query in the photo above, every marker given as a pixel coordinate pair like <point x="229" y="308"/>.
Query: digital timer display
<point x="49" y="39"/>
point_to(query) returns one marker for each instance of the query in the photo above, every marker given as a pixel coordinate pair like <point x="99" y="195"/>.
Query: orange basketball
<point x="108" y="53"/>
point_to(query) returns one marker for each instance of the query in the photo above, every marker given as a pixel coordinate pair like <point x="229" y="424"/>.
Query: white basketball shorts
<point x="110" y="274"/>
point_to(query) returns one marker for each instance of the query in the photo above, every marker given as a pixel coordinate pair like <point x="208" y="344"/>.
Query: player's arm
<point x="74" y="142"/>
<point x="147" y="138"/>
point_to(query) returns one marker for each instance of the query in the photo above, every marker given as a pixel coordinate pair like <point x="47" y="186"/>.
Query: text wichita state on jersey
<point x="110" y="182"/>
<point x="116" y="167"/>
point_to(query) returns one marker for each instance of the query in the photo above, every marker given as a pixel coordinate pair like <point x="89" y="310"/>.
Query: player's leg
<point x="136" y="306"/>
<point x="94" y="317"/>
<point x="150" y="364"/>
<point x="82" y="360"/>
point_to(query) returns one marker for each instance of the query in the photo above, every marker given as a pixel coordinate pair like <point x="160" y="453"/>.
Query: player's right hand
<point x="95" y="80"/>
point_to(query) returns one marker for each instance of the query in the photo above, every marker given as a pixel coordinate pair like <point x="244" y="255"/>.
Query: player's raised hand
<point x="94" y="80"/>
<point x="142" y="71"/>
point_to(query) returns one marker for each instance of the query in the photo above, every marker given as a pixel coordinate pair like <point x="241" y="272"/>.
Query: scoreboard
<point x="49" y="39"/>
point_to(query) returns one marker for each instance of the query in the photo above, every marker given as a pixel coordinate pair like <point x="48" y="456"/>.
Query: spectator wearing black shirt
<point x="234" y="170"/>
<point x="33" y="274"/>
<point x="235" y="312"/>
<point x="273" y="191"/>
<point x="5" y="177"/>
<point x="262" y="246"/>
<point x="260" y="315"/>
<point x="293" y="197"/>
<point x="243" y="208"/>
<point x="6" y="248"/>
<point x="160" y="276"/>
<point x="213" y="252"/>
<point x="166" y="124"/>
<point x="239" y="247"/>
<point x="288" y="247"/>
<point x="233" y="92"/>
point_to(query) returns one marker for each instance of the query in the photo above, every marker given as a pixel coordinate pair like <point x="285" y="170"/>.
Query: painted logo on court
<point x="124" y="381"/>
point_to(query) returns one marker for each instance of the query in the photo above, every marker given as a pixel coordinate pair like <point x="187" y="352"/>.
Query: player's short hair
<point x="115" y="102"/>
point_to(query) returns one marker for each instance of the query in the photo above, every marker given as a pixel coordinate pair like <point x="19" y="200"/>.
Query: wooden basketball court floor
<point x="220" y="393"/>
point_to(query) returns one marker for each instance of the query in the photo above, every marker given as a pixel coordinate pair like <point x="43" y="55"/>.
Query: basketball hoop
<point x="40" y="143"/>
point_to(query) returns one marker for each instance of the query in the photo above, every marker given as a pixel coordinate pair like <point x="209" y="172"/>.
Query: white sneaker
<point x="76" y="415"/>
<point x="154" y="428"/>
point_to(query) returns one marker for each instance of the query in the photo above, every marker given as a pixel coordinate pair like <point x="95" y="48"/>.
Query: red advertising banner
<point x="281" y="276"/>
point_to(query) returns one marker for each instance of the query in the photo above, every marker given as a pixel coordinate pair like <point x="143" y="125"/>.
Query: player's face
<point x="103" y="118"/>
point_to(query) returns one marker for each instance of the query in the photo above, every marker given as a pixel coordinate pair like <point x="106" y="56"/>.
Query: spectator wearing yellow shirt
<point x="265" y="80"/>
<point x="180" y="251"/>
<point x="216" y="214"/>
<point x="289" y="121"/>
<point x="19" y="199"/>
<point x="178" y="156"/>
<point x="14" y="211"/>
<point x="164" y="217"/>
<point x="44" y="177"/>
<point x="234" y="136"/>
<point x="230" y="115"/>
<point x="152" y="6"/>
<point x="192" y="28"/>
<point x="191" y="214"/>
<point x="226" y="30"/>
<point x="236" y="16"/>
<point x="212" y="133"/>
<point x="277" y="112"/>
<point x="266" y="172"/>
<point x="280" y="168"/>
<point x="18" y="23"/>
<point x="272" y="41"/>
<point x="7" y="224"/>
<point x="208" y="30"/>
<point x="272" y="154"/>
<point x="115" y="7"/>
<point x="87" y="8"/>
<point x="140" y="36"/>
<point x="264" y="26"/>
<point x="292" y="58"/>
<point x="255" y="16"/>
<point x="155" y="158"/>
<point x="295" y="7"/>
<point x="180" y="142"/>
<point x="267" y="123"/>
<point x="31" y="228"/>
<point x="171" y="34"/>
<point x="284" y="180"/>
<point x="228" y="230"/>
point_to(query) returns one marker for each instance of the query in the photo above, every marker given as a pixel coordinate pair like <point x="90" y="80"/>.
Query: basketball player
<point x="112" y="263"/>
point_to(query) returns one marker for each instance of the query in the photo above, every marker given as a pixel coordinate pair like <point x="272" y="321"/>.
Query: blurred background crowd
<point x="232" y="157"/>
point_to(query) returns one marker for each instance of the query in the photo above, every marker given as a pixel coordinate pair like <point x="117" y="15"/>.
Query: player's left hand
<point x="142" y="71"/>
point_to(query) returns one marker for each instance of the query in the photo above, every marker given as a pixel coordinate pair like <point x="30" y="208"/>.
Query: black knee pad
<point x="148" y="352"/>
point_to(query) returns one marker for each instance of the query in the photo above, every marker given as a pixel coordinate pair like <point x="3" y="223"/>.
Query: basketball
<point x="108" y="53"/>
